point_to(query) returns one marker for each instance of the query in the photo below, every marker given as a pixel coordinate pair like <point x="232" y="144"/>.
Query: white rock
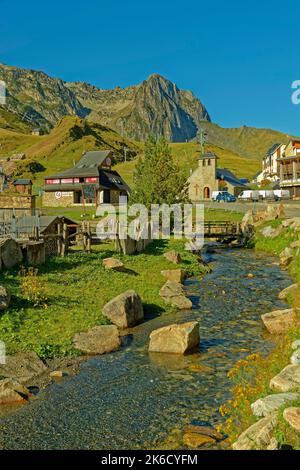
<point x="295" y="357"/>
<point x="296" y="344"/>
<point x="258" y="436"/>
<point x="287" y="380"/>
<point x="264" y="406"/>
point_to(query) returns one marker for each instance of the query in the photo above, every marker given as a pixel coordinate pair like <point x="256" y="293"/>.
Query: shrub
<point x="32" y="287"/>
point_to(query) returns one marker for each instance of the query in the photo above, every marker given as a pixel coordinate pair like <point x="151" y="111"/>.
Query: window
<point x="53" y="181"/>
<point x="91" y="179"/>
<point x="209" y="162"/>
<point x="67" y="181"/>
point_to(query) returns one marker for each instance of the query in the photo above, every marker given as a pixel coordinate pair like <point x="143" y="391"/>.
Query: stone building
<point x="289" y="168"/>
<point x="90" y="181"/>
<point x="208" y="178"/>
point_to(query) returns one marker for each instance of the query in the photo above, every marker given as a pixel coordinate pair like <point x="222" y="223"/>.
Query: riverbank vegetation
<point x="251" y="376"/>
<point x="67" y="294"/>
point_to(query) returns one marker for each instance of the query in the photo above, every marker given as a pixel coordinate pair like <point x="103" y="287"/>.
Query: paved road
<point x="292" y="208"/>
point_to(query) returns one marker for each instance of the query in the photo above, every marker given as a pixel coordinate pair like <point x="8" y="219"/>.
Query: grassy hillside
<point x="249" y="142"/>
<point x="72" y="136"/>
<point x="13" y="122"/>
<point x="14" y="142"/>
<point x="63" y="147"/>
<point x="186" y="155"/>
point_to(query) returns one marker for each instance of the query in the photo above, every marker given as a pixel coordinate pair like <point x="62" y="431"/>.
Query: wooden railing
<point x="222" y="229"/>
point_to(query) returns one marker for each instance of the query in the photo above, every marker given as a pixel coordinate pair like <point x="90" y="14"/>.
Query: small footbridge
<point x="222" y="230"/>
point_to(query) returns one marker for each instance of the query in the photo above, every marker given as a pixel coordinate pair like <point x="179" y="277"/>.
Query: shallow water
<point x="131" y="399"/>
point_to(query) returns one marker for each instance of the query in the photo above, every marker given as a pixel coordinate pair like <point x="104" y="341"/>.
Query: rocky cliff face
<point x="155" y="106"/>
<point x="44" y="99"/>
<point x="161" y="109"/>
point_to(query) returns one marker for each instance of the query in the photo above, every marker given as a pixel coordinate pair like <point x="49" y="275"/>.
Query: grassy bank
<point x="251" y="377"/>
<point x="68" y="294"/>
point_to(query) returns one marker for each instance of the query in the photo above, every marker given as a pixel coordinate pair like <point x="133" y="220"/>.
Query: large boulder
<point x="10" y="253"/>
<point x="173" y="256"/>
<point x="287" y="380"/>
<point x="271" y="232"/>
<point x="279" y="321"/>
<point x="270" y="403"/>
<point x="295" y="357"/>
<point x="290" y="290"/>
<point x="12" y="392"/>
<point x="98" y="340"/>
<point x="292" y="417"/>
<point x="125" y="310"/>
<point x="173" y="293"/>
<point x="176" y="338"/>
<point x="23" y="367"/>
<point x="113" y="263"/>
<point x="296" y="344"/>
<point x="174" y="275"/>
<point x="4" y="298"/>
<point x="248" y="219"/>
<point x="258" y="436"/>
<point x="286" y="257"/>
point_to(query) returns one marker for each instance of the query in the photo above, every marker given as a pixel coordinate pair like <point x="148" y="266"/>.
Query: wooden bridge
<point x="223" y="229"/>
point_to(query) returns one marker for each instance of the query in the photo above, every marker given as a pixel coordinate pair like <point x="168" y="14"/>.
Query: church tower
<point x="203" y="181"/>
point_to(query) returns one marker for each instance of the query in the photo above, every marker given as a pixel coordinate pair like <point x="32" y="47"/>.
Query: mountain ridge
<point x="154" y="106"/>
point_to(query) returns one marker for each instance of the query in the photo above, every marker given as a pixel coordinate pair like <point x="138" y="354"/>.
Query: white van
<point x="281" y="194"/>
<point x="249" y="195"/>
<point x="215" y="194"/>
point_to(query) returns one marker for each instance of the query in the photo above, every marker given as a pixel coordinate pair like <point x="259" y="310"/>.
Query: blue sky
<point x="239" y="58"/>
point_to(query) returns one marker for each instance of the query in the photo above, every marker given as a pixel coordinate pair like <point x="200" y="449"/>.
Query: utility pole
<point x="203" y="138"/>
<point x="126" y="149"/>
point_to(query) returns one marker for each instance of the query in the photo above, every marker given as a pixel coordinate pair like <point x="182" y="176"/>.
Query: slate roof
<point x="87" y="165"/>
<point x="227" y="175"/>
<point x="111" y="179"/>
<point x="24" y="223"/>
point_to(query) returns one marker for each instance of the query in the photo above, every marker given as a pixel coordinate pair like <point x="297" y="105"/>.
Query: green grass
<point x="13" y="122"/>
<point x="76" y="213"/>
<point x="77" y="287"/>
<point x="273" y="245"/>
<point x="219" y="215"/>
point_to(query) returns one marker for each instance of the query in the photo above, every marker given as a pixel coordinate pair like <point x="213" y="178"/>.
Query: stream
<point x="131" y="399"/>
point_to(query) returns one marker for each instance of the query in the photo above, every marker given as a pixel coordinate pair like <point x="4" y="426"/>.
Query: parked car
<point x="249" y="195"/>
<point x="225" y="196"/>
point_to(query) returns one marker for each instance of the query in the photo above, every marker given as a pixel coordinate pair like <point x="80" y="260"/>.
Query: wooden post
<point x="64" y="240"/>
<point x="59" y="244"/>
<point x="88" y="226"/>
<point x="84" y="236"/>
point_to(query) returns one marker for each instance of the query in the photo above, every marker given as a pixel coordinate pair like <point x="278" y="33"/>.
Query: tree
<point x="157" y="177"/>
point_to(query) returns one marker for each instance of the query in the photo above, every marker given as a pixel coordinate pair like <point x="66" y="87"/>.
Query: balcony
<point x="290" y="179"/>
